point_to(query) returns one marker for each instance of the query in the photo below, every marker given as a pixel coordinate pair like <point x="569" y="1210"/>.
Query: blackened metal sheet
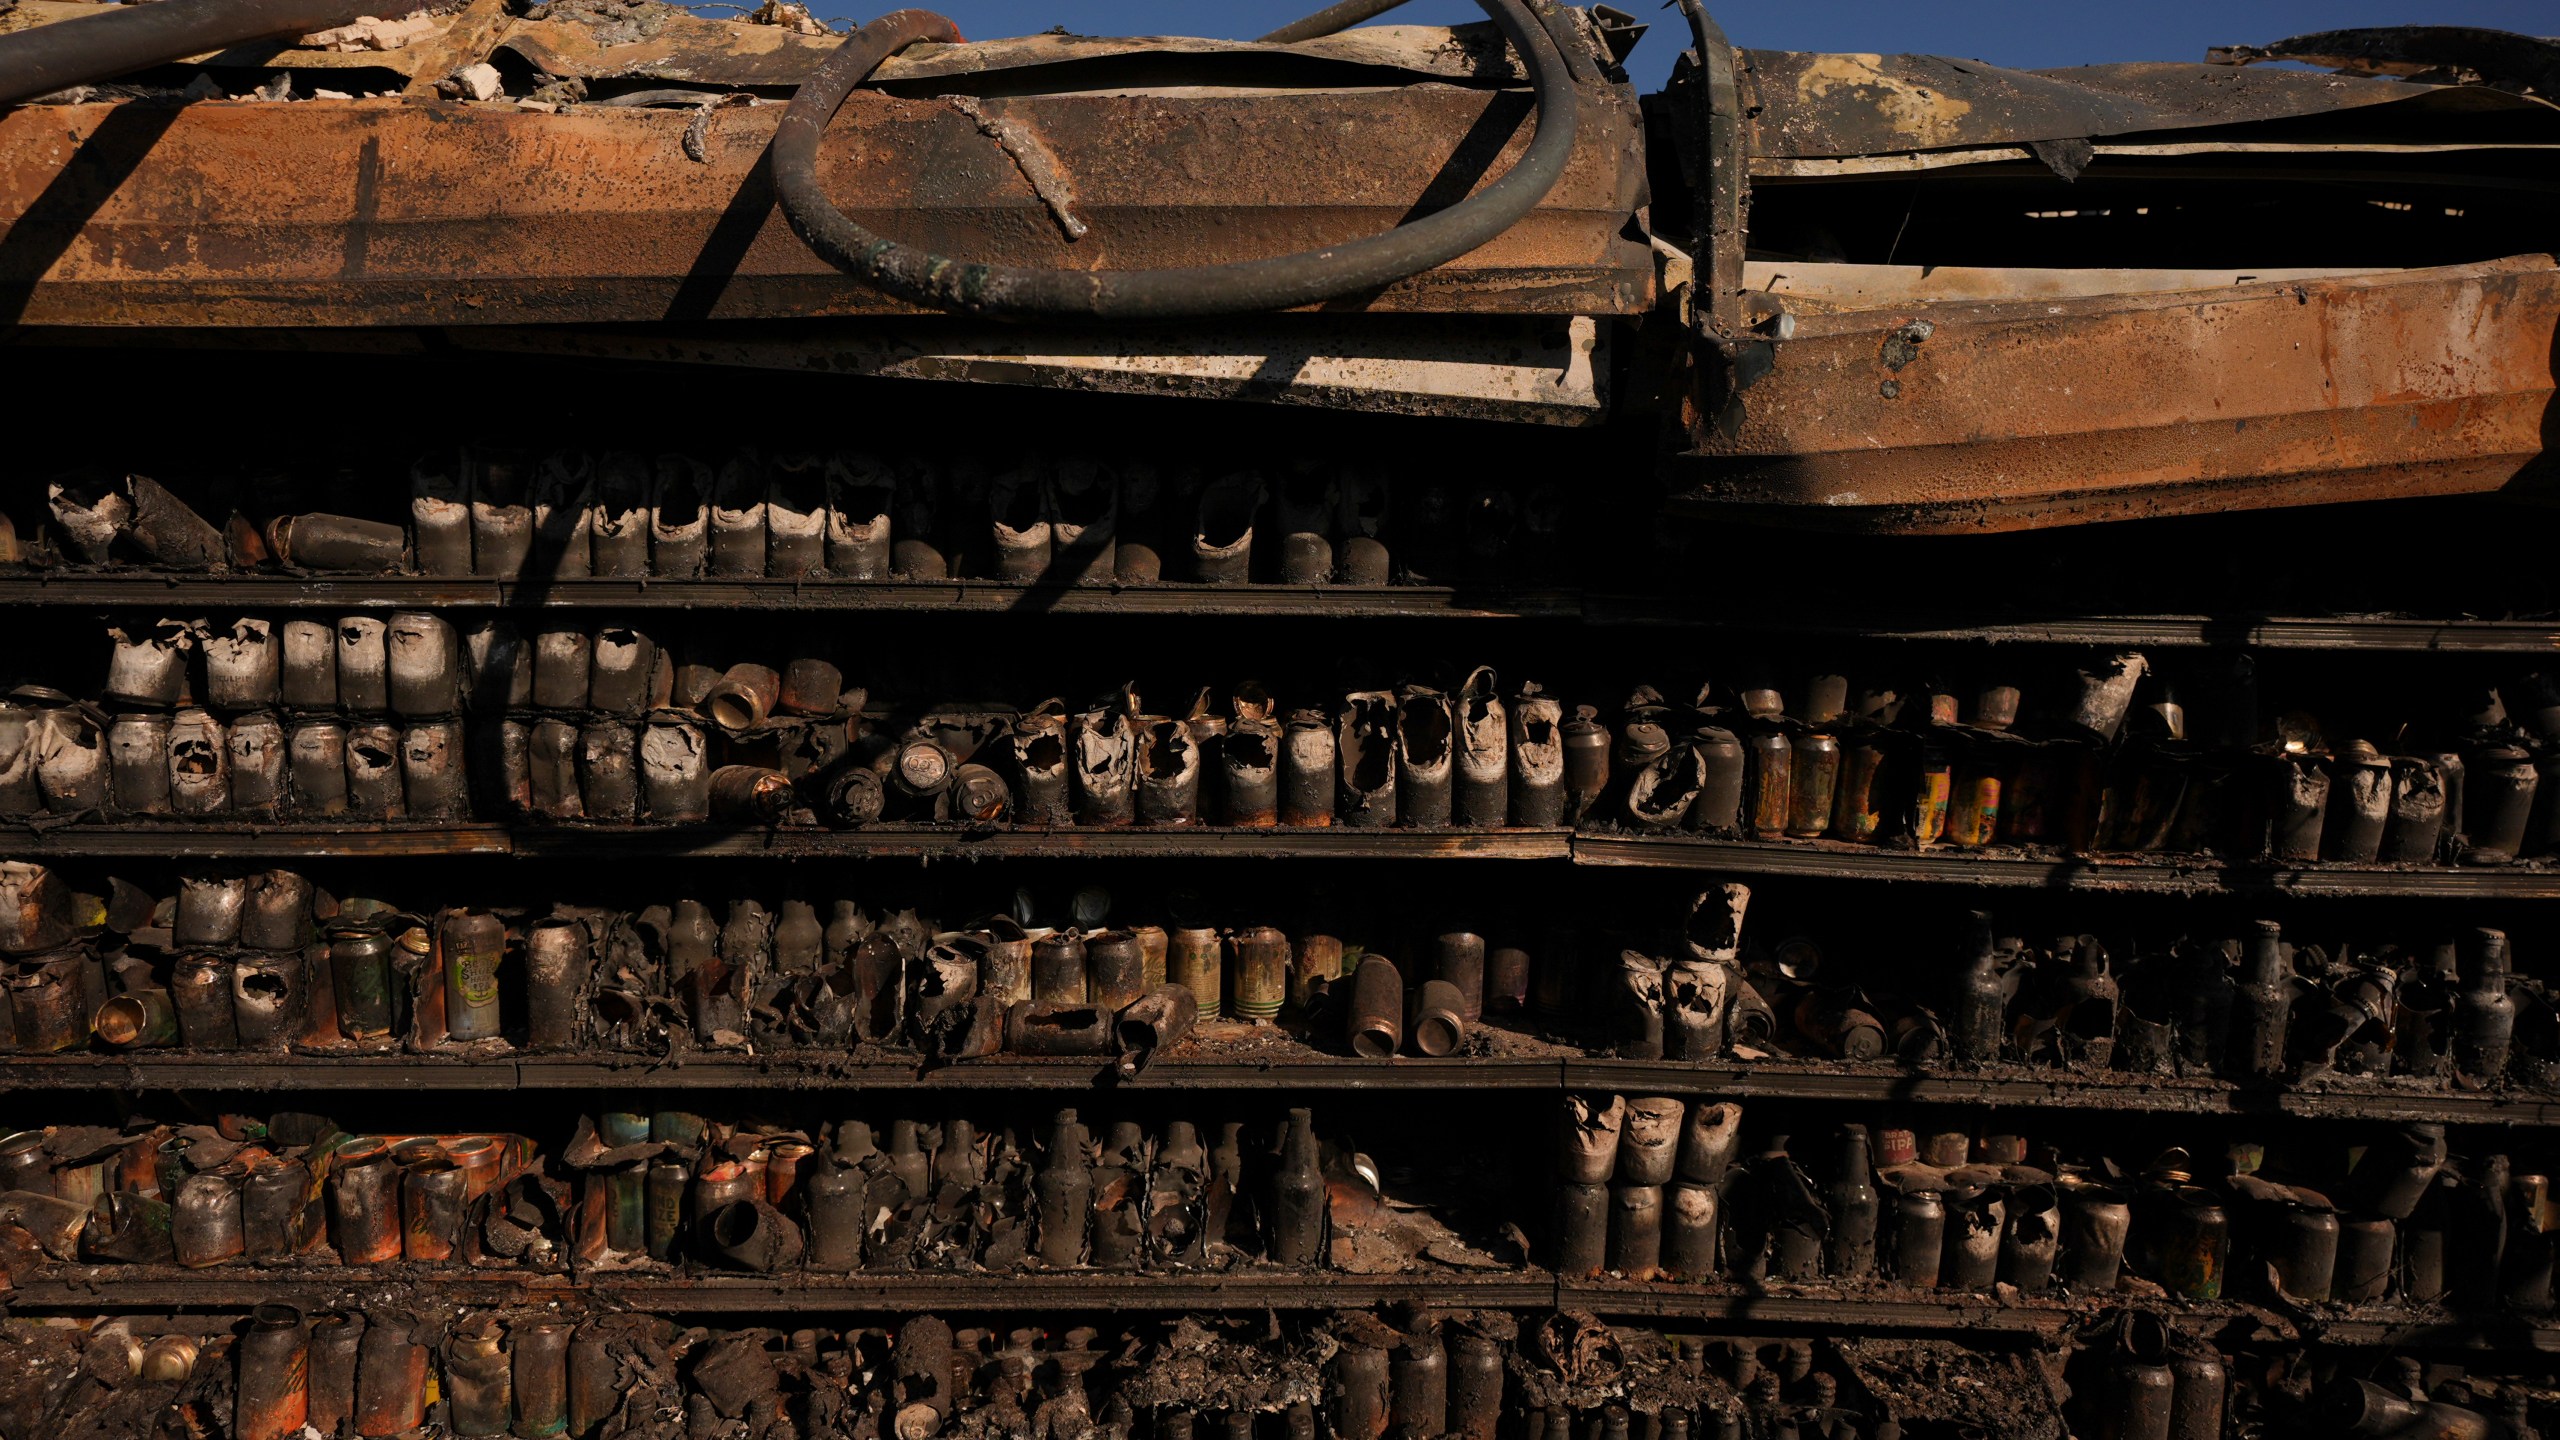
<point x="1811" y="105"/>
<point x="2470" y="52"/>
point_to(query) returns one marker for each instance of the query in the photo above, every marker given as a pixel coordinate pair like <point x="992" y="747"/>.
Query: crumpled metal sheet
<point x="2460" y="54"/>
<point x="715" y="52"/>
<point x="1972" y="416"/>
<point x="1812" y="105"/>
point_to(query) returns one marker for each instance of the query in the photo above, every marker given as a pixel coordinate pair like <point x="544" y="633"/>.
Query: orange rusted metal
<point x="2005" y="415"/>
<point x="386" y="212"/>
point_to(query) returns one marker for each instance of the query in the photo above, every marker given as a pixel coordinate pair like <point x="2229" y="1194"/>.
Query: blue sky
<point x="2003" y="32"/>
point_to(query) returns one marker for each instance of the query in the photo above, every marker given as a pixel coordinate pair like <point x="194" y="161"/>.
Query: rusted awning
<point x="425" y="211"/>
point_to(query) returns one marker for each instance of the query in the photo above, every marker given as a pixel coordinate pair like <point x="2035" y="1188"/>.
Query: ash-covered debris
<point x="1946" y="1382"/>
<point x="1226" y="1364"/>
<point x="615" y="22"/>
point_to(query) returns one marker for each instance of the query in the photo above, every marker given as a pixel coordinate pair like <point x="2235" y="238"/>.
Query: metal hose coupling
<point x="1185" y="293"/>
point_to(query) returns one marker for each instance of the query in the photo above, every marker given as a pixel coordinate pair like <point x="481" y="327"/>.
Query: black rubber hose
<point x="1331" y="20"/>
<point x="1189" y="293"/>
<point x="121" y="39"/>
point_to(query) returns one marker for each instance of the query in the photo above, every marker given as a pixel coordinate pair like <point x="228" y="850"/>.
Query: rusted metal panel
<point x="718" y="52"/>
<point x="1963" y="417"/>
<point x="391" y="213"/>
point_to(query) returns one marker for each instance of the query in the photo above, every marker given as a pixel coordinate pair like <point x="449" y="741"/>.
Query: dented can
<point x="364" y="665"/>
<point x="609" y="772"/>
<point x="2360" y="792"/>
<point x="675" y="773"/>
<point x="1116" y="968"/>
<point x="432" y="777"/>
<point x="72" y="767"/>
<point x="269" y="995"/>
<point x="48" y="1004"/>
<point x="552" y="756"/>
<point x="335" y="1340"/>
<point x="138" y="761"/>
<point x="1973" y="800"/>
<point x="199" y="766"/>
<point x="257" y="759"/>
<point x="2497" y="803"/>
<point x="2298" y="802"/>
<point x="273" y="1399"/>
<point x="750" y="795"/>
<point x="1307" y="764"/>
<point x="434" y="1211"/>
<point x="200" y="991"/>
<point x="374" y="791"/>
<point x="391" y="1381"/>
<point x="1858" y="807"/>
<point x="1059" y="973"/>
<point x="317" y="757"/>
<point x="556" y="963"/>
<point x="205" y="1223"/>
<point x="425" y="658"/>
<point x="307" y="669"/>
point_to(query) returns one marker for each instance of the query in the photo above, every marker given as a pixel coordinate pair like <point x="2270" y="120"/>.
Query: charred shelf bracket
<point x="2165" y="875"/>
<point x="2007" y="1088"/>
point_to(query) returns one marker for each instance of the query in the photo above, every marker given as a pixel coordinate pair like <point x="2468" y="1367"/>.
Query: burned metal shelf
<point x="2002" y="1088"/>
<point x="930" y="842"/>
<point x="815" y="1071"/>
<point x="1918" y="1313"/>
<point x="108" y="589"/>
<point x="2263" y="632"/>
<point x="238" y="1287"/>
<point x="2165" y="875"/>
<point x="940" y="597"/>
<point x="2184" y="875"/>
<point x="235" y="1288"/>
<point x="2018" y="1087"/>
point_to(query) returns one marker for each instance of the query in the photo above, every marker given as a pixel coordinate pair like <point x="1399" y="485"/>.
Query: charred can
<point x="361" y="982"/>
<point x="474" y="942"/>
<point x="1769" y="796"/>
<point x="364" y="1202"/>
<point x="274" y="1396"/>
<point x="1261" y="973"/>
<point x="1813" y="784"/>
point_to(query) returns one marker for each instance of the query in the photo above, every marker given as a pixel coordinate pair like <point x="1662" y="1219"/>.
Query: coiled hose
<point x="1185" y="293"/>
